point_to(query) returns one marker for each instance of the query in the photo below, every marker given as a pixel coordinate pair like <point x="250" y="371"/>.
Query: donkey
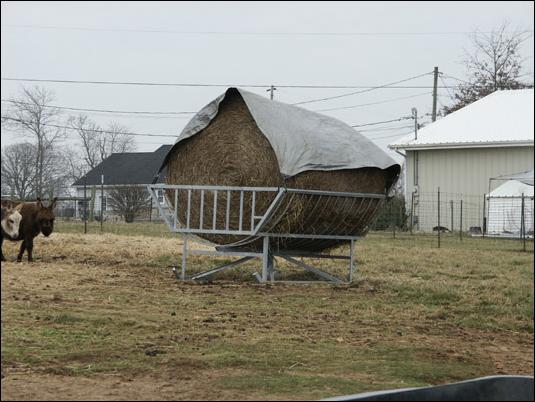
<point x="36" y="218"/>
<point x="10" y="223"/>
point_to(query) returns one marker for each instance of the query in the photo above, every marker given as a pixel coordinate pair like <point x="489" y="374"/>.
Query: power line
<point x="386" y="128"/>
<point x="359" y="92"/>
<point x="474" y="85"/>
<point x="133" y="83"/>
<point x="373" y="103"/>
<point x="187" y="113"/>
<point x="95" y="131"/>
<point x="97" y="110"/>
<point x="246" y="32"/>
<point x="382" y="122"/>
<point x="391" y="136"/>
<point x="455" y="78"/>
<point x="167" y="84"/>
<point x="449" y="93"/>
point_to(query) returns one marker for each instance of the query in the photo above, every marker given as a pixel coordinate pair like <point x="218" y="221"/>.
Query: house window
<point x="160" y="196"/>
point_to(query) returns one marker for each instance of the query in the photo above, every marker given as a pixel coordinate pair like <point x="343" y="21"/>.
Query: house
<point x="120" y="169"/>
<point x="461" y="152"/>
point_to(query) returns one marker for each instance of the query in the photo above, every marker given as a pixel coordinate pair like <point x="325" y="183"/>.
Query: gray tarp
<point x="302" y="140"/>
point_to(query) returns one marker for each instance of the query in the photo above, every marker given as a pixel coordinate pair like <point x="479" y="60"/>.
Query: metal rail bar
<point x="220" y="268"/>
<point x="335" y="193"/>
<point x="160" y="208"/>
<point x="310" y="268"/>
<point x="211" y="188"/>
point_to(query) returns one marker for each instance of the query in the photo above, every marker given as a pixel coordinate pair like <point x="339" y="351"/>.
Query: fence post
<point x="412" y="211"/>
<point x="523" y="224"/>
<point x="488" y="212"/>
<point x="438" y="209"/>
<point x="150" y="210"/>
<point x="85" y="205"/>
<point x="484" y="217"/>
<point x="101" y="203"/>
<point x="393" y="219"/>
<point x="451" y="205"/>
<point x="461" y="222"/>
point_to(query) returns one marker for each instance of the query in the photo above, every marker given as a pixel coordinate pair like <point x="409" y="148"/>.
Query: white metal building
<point x="459" y="153"/>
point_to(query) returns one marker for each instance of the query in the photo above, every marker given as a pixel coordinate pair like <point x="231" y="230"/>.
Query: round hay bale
<point x="232" y="151"/>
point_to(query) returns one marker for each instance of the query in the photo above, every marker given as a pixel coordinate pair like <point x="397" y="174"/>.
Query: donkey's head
<point x="11" y="218"/>
<point x="45" y="216"/>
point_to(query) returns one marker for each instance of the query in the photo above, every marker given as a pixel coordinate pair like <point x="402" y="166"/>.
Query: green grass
<point x="145" y="228"/>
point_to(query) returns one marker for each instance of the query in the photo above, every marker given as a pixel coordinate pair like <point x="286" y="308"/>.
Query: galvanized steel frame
<point x="265" y="229"/>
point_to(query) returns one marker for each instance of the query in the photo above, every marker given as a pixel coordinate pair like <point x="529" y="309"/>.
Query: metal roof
<point x="503" y="118"/>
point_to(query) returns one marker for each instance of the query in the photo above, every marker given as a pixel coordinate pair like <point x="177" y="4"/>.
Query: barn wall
<point x="460" y="174"/>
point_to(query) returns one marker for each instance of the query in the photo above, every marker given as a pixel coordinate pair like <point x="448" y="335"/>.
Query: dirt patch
<point x="35" y="387"/>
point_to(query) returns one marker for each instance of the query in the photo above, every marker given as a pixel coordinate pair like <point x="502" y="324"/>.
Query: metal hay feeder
<point x="260" y="231"/>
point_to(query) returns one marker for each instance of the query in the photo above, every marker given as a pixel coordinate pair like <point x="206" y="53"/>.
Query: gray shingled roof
<point x="127" y="168"/>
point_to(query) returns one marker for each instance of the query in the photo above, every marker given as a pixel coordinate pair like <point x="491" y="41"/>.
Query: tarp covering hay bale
<point x="243" y="139"/>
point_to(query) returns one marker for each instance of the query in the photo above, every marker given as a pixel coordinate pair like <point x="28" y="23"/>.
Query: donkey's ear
<point x="53" y="203"/>
<point x="39" y="203"/>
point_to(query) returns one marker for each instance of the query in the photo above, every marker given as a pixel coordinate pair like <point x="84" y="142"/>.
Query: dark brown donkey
<point x="36" y="218"/>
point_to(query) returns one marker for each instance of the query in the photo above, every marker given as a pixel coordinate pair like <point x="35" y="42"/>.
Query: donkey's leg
<point x="1" y="248"/>
<point x="21" y="252"/>
<point x="29" y="248"/>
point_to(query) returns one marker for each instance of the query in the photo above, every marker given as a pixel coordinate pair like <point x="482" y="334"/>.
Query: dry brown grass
<point x="102" y="317"/>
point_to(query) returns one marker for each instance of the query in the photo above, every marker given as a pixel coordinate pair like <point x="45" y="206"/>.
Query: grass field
<point x="100" y="316"/>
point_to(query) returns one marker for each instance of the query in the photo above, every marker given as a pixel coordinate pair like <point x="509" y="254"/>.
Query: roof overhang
<point x="459" y="145"/>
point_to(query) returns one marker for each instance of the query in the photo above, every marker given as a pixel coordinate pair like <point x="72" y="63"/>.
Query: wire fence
<point x="451" y="219"/>
<point x="437" y="219"/>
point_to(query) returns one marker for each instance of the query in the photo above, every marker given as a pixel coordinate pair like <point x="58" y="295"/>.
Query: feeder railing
<point x="236" y="211"/>
<point x="259" y="215"/>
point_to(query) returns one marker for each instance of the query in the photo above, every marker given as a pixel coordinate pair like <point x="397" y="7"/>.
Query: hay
<point x="232" y="151"/>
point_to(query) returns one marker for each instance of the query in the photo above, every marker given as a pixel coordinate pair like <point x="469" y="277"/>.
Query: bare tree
<point x="494" y="63"/>
<point x="32" y="115"/>
<point x="96" y="143"/>
<point x="89" y="134"/>
<point x="55" y="172"/>
<point x="129" y="201"/>
<point x="18" y="170"/>
<point x="75" y="166"/>
<point x="117" y="139"/>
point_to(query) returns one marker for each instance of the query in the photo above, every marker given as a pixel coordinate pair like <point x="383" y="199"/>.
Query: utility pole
<point x="415" y="117"/>
<point x="271" y="90"/>
<point x="415" y="152"/>
<point x="435" y="82"/>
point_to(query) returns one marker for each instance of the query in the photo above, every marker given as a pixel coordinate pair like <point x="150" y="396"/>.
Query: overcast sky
<point x="215" y="43"/>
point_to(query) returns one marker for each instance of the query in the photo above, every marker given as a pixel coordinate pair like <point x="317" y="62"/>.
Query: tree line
<point x="42" y="164"/>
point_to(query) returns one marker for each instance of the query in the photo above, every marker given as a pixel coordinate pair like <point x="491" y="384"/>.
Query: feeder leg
<point x="351" y="250"/>
<point x="184" y="257"/>
<point x="265" y="259"/>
